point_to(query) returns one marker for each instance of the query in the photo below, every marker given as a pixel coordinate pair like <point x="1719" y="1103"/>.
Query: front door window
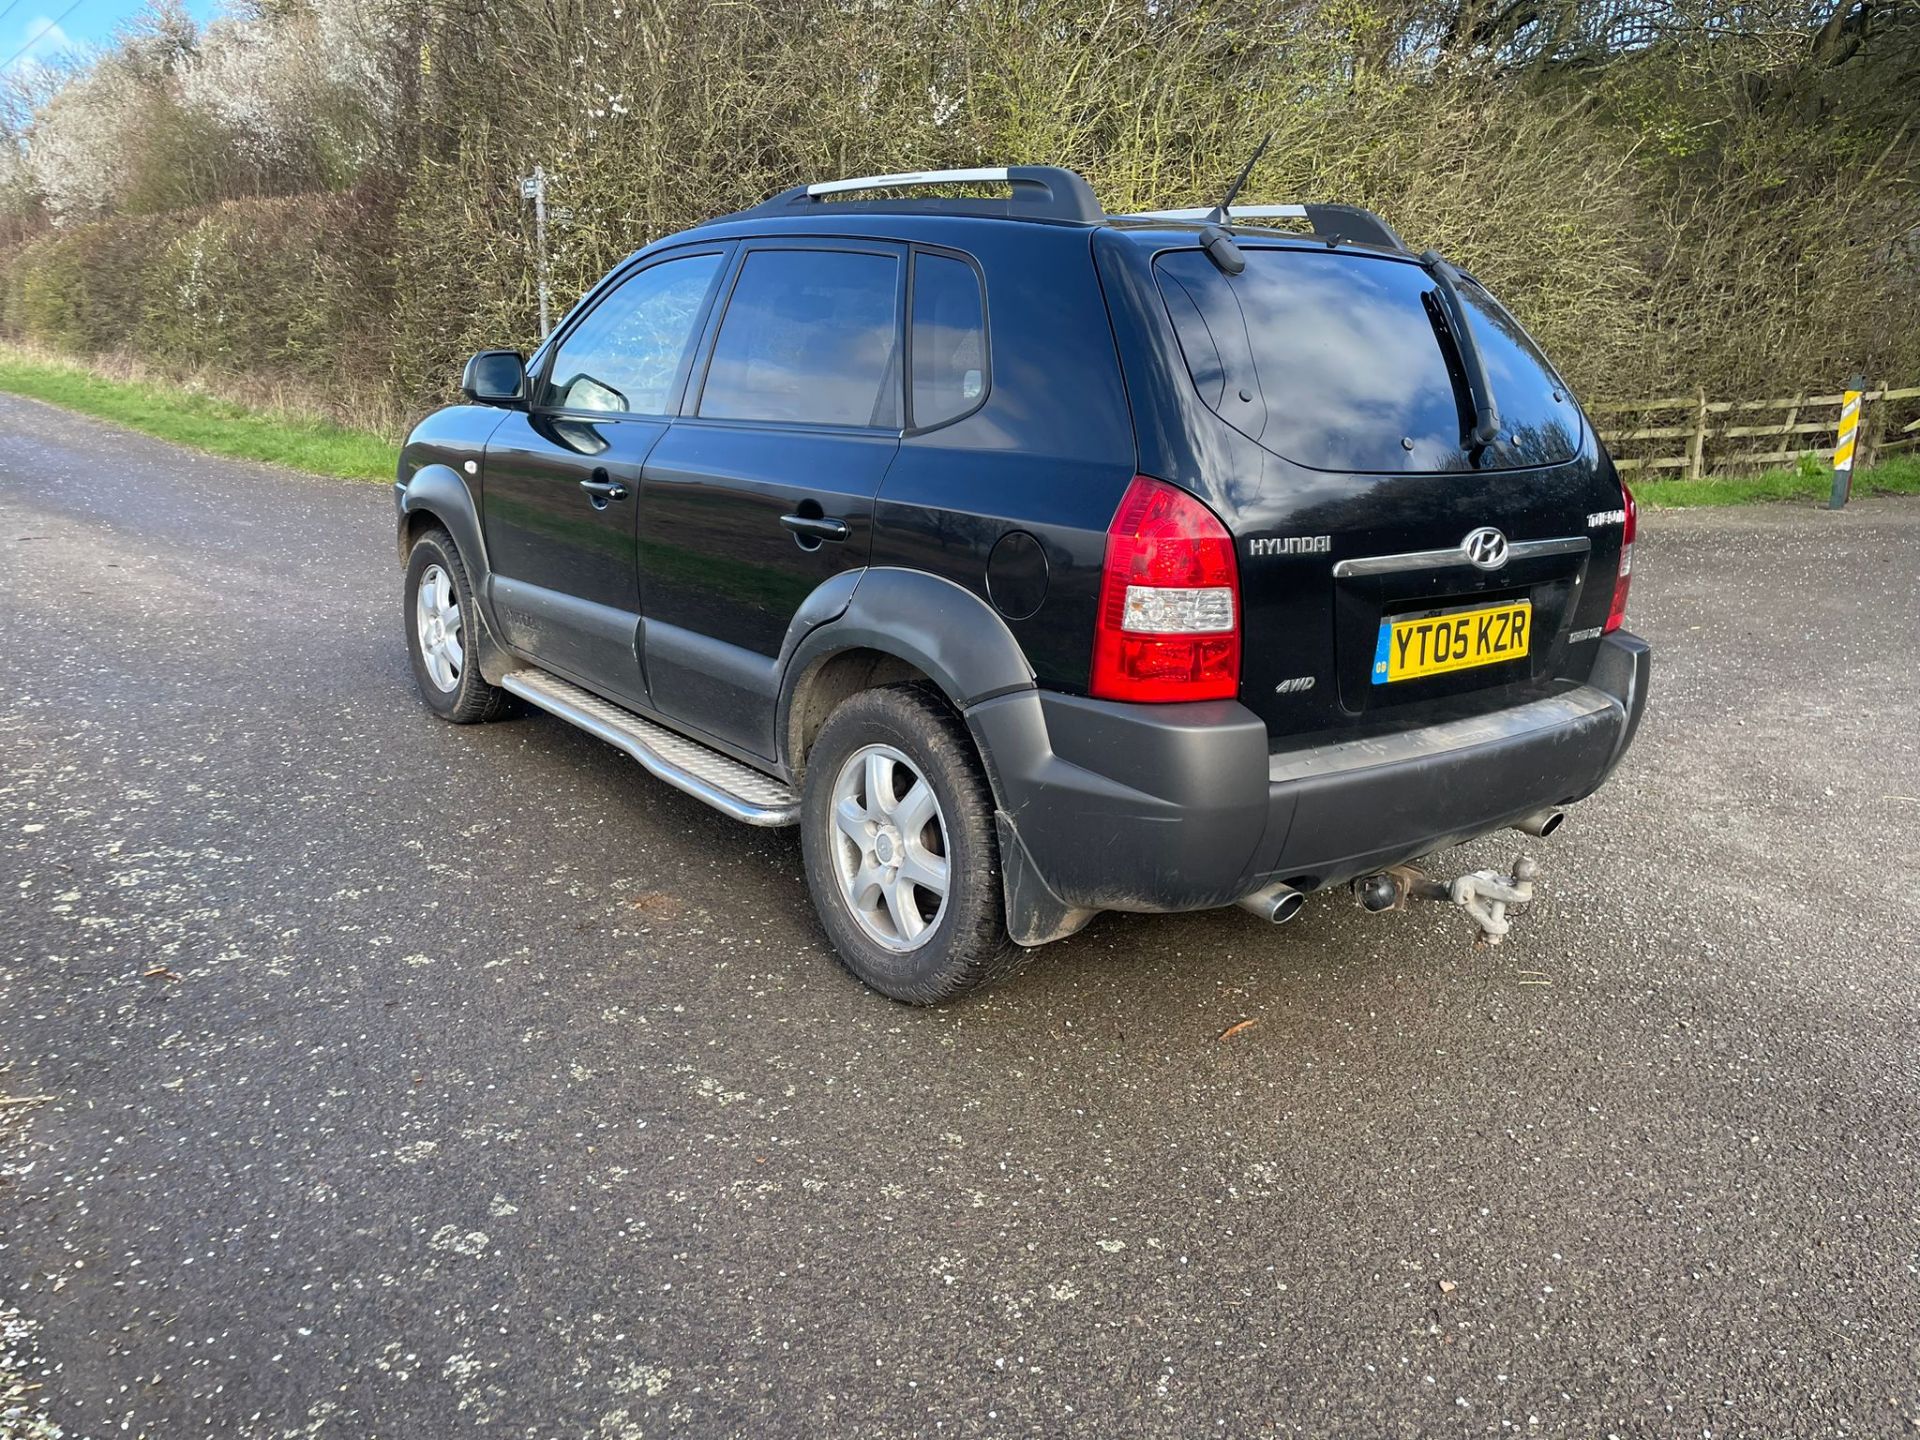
<point x="625" y="357"/>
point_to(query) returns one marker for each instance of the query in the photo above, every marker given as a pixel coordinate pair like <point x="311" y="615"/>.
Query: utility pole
<point x="534" y="187"/>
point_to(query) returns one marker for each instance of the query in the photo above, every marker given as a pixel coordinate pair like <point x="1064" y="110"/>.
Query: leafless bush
<point x="1671" y="195"/>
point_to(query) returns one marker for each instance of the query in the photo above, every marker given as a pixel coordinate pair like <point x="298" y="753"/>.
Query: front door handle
<point x="816" y="527"/>
<point x="601" y="490"/>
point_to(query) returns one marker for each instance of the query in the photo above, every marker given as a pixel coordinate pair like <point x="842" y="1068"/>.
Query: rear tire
<point x="443" y="628"/>
<point x="897" y="828"/>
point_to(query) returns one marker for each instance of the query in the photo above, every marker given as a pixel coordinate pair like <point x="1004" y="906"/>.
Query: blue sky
<point x="46" y="28"/>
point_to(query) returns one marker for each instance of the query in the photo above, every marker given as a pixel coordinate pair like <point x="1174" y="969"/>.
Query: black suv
<point x="1038" y="561"/>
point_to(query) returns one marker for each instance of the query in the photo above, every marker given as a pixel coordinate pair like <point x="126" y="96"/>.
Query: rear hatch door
<point x="1391" y="571"/>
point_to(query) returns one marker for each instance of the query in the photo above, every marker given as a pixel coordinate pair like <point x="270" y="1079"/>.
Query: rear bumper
<point x="1151" y="808"/>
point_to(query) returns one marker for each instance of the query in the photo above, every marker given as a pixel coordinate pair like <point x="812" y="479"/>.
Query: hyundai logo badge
<point x="1486" y="548"/>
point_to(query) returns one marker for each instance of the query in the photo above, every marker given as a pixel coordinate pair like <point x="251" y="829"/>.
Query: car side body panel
<point x="1046" y="457"/>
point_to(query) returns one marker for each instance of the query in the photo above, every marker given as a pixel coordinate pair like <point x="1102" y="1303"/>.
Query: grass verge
<point x="202" y="421"/>
<point x="1898" y="476"/>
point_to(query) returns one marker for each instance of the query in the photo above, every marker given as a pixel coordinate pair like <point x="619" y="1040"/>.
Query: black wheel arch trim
<point x="439" y="492"/>
<point x="944" y="630"/>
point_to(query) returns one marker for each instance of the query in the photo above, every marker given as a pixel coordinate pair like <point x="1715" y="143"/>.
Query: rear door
<point x="1353" y="505"/>
<point x="764" y="487"/>
<point x="560" y="494"/>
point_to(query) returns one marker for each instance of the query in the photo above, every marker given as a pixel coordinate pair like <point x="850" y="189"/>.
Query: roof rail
<point x="1338" y="223"/>
<point x="1041" y="192"/>
<point x="1234" y="212"/>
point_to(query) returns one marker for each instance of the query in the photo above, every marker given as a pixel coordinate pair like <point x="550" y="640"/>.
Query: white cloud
<point x="38" y="40"/>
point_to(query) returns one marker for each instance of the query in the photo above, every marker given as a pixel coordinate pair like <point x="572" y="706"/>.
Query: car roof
<point x="1041" y="200"/>
<point x="1045" y="195"/>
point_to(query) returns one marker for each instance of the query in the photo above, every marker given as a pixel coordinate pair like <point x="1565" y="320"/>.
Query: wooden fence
<point x="1723" y="434"/>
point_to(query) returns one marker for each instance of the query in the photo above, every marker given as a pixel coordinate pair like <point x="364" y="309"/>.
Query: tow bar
<point x="1483" y="894"/>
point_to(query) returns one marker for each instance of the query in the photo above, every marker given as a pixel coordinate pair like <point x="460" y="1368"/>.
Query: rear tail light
<point x="1169" y="623"/>
<point x="1623" y="582"/>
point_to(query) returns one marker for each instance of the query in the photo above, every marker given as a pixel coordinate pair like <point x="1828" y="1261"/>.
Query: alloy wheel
<point x="436" y="618"/>
<point x="890" y="847"/>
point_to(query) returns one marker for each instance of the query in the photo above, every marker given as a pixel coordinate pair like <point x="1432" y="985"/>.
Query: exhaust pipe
<point x="1392" y="889"/>
<point x="1276" y="903"/>
<point x="1541" y="822"/>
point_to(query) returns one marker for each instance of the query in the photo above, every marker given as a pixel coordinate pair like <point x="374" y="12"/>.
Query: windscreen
<point x="1341" y="360"/>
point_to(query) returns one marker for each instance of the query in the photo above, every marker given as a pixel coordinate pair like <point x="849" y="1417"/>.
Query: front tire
<point x="897" y="830"/>
<point x="443" y="633"/>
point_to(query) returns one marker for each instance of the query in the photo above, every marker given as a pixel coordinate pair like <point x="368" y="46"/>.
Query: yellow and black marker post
<point x="1843" y="444"/>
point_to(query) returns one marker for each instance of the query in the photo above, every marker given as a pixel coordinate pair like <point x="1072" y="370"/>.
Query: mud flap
<point x="1035" y="915"/>
<point x="495" y="659"/>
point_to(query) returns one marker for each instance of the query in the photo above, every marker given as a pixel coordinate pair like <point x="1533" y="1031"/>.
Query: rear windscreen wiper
<point x="1485" y="428"/>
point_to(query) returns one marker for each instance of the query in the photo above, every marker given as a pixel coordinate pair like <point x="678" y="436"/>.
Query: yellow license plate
<point x="1453" y="640"/>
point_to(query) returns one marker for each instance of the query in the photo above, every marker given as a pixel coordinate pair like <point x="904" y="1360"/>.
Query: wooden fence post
<point x="1697" y="456"/>
<point x="1873" y="424"/>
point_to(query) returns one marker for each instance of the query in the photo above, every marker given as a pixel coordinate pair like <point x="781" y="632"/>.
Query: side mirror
<point x="495" y="377"/>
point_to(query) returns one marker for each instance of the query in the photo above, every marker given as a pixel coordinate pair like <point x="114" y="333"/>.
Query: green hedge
<point x="276" y="291"/>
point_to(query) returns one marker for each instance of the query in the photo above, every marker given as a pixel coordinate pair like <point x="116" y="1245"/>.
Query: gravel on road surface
<point x="417" y="1081"/>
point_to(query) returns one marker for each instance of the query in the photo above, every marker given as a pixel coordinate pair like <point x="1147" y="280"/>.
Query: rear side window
<point x="812" y="337"/>
<point x="1334" y="359"/>
<point x="625" y="356"/>
<point x="949" y="345"/>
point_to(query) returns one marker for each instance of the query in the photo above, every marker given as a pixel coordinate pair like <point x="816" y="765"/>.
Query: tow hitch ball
<point x="1483" y="894"/>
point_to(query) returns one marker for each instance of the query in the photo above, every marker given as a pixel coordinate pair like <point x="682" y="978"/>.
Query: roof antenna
<point x="1220" y="211"/>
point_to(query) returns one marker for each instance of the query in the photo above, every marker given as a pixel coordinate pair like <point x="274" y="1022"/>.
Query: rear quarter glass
<point x="1331" y="359"/>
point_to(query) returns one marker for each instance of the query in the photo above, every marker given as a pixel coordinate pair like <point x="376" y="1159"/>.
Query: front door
<point x="764" y="488"/>
<point x="561" y="493"/>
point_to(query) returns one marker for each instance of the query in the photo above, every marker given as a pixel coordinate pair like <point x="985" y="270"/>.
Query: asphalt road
<point x="415" y="1081"/>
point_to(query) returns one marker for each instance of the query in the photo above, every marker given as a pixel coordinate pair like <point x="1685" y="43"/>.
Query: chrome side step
<point x="704" y="773"/>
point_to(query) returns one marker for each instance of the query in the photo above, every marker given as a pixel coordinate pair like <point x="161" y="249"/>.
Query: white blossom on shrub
<point x="77" y="145"/>
<point x="305" y="83"/>
<point x="296" y="96"/>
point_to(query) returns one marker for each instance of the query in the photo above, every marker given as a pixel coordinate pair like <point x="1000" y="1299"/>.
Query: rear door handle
<point x="816" y="527"/>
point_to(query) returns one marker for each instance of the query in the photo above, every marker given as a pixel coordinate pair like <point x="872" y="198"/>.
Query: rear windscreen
<point x="1339" y="360"/>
